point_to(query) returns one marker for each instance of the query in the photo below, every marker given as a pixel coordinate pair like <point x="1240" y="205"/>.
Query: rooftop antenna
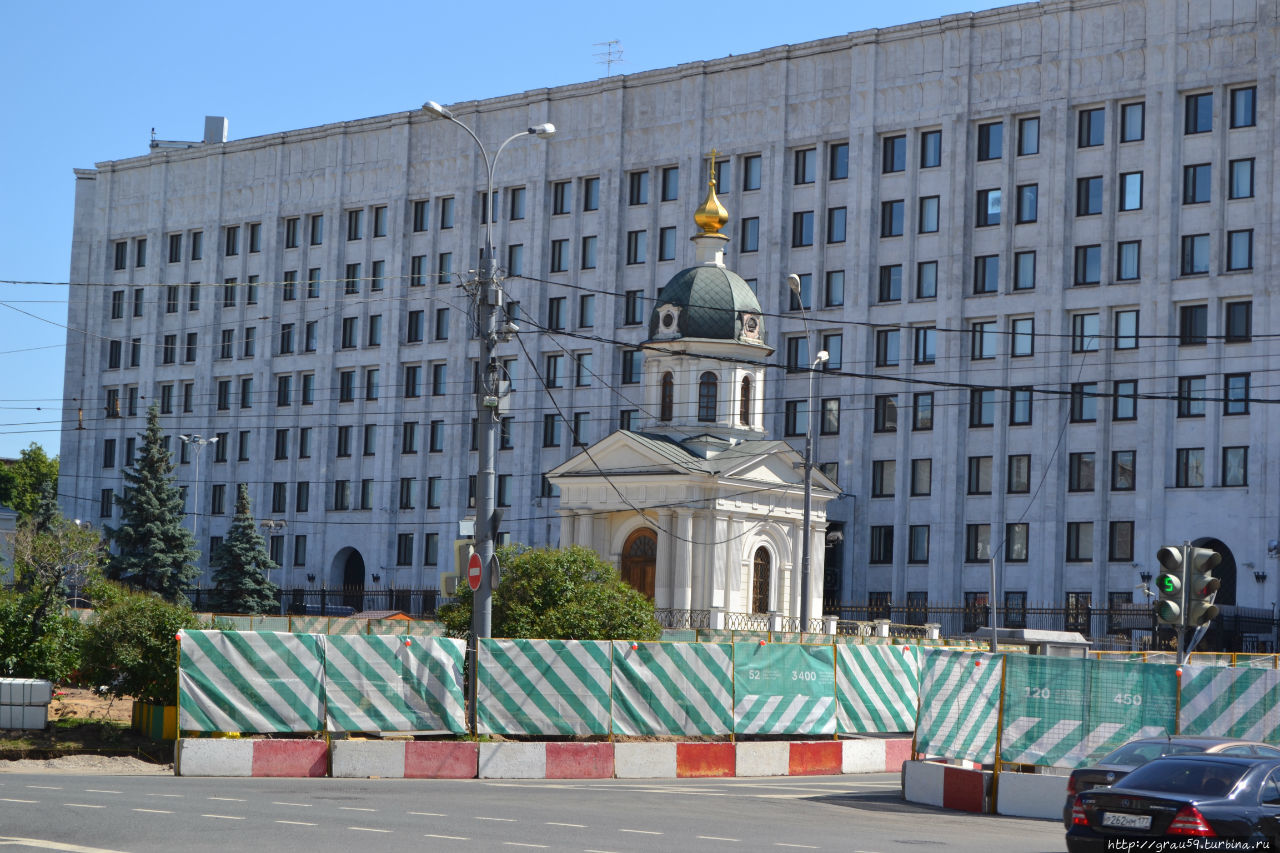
<point x="611" y="54"/>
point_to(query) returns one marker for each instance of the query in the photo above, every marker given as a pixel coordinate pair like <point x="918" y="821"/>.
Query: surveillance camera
<point x="510" y="328"/>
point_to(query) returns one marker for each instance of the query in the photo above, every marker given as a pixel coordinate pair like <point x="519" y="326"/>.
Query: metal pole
<point x="807" y="532"/>
<point x="1181" y="629"/>
<point x="991" y="602"/>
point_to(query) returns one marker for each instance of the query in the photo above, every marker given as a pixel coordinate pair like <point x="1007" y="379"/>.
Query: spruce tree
<point x="152" y="549"/>
<point x="240" y="565"/>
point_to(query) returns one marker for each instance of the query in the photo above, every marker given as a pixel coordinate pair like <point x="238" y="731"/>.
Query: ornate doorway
<point x="353" y="580"/>
<point x="640" y="560"/>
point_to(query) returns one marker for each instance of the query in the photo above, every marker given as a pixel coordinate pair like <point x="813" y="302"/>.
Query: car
<point x="1114" y="766"/>
<point x="1192" y="800"/>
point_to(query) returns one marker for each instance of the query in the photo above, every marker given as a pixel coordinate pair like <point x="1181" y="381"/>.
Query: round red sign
<point x="473" y="572"/>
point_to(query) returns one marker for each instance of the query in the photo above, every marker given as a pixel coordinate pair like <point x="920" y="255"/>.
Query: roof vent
<point x="215" y="129"/>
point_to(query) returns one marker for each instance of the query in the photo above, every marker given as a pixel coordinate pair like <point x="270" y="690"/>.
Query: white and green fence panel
<point x="242" y="681"/>
<point x="672" y="688"/>
<point x="386" y="683"/>
<point x="544" y="687"/>
<point x="1235" y="702"/>
<point x="1066" y="712"/>
<point x="959" y="703"/>
<point x="783" y="689"/>
<point x="878" y="688"/>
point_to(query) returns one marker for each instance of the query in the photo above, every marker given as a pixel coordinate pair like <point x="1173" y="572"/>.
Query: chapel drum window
<point x="744" y="402"/>
<point x="707" y="397"/>
<point x="760" y="572"/>
<point x="668" y="397"/>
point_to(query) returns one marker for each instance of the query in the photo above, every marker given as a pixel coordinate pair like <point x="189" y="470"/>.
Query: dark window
<point x="1199" y="114"/>
<point x="1122" y="470"/>
<point x="1084" y="402"/>
<point x="881" y="544"/>
<point x="1189" y="465"/>
<point x="989" y="205"/>
<point x="894" y="154"/>
<point x="1028" y="203"/>
<point x="1241" y="179"/>
<point x="806" y="166"/>
<point x="930" y="149"/>
<point x="1193" y="325"/>
<point x="1235" y="466"/>
<point x="1028" y="136"/>
<point x="1244" y="107"/>
<point x="1235" y="394"/>
<point x="1088" y="267"/>
<point x="1195" y="254"/>
<point x="1239" y="321"/>
<point x="802" y="228"/>
<point x="921" y="411"/>
<point x="1240" y="250"/>
<point x="1092" y="132"/>
<point x="982" y="407"/>
<point x="886" y="412"/>
<point x="891" y="218"/>
<point x="1197" y="185"/>
<point x="1088" y="196"/>
<point x="986" y="274"/>
<point x="1132" y="121"/>
<point x="990" y="141"/>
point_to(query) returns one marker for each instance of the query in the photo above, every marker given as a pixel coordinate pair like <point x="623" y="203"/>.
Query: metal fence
<point x="339" y="601"/>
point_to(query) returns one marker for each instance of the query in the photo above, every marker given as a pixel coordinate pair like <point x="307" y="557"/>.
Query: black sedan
<point x="1114" y="766"/>
<point x="1200" y="800"/>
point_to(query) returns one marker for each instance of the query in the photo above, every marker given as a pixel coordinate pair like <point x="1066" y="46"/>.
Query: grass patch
<point x="74" y="736"/>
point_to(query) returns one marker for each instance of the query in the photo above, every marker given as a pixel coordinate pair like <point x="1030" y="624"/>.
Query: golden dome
<point x="711" y="215"/>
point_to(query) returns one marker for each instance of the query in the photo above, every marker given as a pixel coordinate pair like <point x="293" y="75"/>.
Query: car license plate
<point x="1126" y="821"/>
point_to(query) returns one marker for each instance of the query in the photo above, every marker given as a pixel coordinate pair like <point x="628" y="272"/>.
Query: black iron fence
<point x="340" y="601"/>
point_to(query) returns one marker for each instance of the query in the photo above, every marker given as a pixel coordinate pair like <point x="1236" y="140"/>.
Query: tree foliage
<point x="240" y="566"/>
<point x="49" y="649"/>
<point x="24" y="483"/>
<point x="560" y="594"/>
<point x="153" y="551"/>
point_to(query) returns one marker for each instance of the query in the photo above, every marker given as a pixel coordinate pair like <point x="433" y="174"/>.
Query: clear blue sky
<point x="86" y="82"/>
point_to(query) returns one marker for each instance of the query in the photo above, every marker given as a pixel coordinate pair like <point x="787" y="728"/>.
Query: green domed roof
<point x="711" y="299"/>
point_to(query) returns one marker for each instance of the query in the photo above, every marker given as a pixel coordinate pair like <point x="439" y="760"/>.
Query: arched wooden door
<point x="640" y="560"/>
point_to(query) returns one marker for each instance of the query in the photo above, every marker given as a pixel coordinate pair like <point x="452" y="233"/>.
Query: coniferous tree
<point x="240" y="566"/>
<point x="153" y="550"/>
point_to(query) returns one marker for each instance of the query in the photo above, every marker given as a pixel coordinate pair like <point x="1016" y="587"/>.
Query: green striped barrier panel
<point x="544" y="687"/>
<point x="959" y="703"/>
<point x="878" y="688"/>
<point x="1239" y="702"/>
<point x="1067" y="712"/>
<point x="672" y="688"/>
<point x="392" y="684"/>
<point x="783" y="689"/>
<point x="240" y="681"/>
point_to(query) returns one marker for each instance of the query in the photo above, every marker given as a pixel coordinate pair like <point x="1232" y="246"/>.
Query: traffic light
<point x="1202" y="586"/>
<point x="1170" y="609"/>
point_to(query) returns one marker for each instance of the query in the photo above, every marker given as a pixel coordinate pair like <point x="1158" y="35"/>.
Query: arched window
<point x="744" y="402"/>
<point x="668" y="397"/>
<point x="707" y="397"/>
<point x="760" y="572"/>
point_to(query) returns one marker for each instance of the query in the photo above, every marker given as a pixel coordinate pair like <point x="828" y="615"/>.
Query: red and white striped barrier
<point x="932" y="784"/>
<point x="233" y="757"/>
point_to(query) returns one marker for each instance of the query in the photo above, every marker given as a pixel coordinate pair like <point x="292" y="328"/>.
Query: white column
<point x="585" y="530"/>
<point x="664" y="570"/>
<point x="681" y="577"/>
<point x="566" y="527"/>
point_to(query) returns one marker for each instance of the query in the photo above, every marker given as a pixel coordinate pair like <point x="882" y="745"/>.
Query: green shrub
<point x="49" y="649"/>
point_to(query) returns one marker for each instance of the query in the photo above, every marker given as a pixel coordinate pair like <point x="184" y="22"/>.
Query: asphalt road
<point x="138" y="814"/>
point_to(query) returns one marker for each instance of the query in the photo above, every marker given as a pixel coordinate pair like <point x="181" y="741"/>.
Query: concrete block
<point x="441" y="760"/>
<point x="513" y="761"/>
<point x="579" y="761"/>
<point x="292" y="758"/>
<point x="705" y="760"/>
<point x="863" y="755"/>
<point x="896" y="751"/>
<point x="25" y="691"/>
<point x="820" y="758"/>
<point x="1031" y="795"/>
<point x="214" y="757"/>
<point x="24" y="716"/>
<point x="644" y="760"/>
<point x="965" y="790"/>
<point x="922" y="782"/>
<point x="361" y="759"/>
<point x="765" y="758"/>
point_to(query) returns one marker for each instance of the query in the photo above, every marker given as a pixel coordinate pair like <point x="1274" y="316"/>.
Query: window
<point x="1128" y="260"/>
<point x="636" y="245"/>
<point x="412" y="380"/>
<point x="1019" y="406"/>
<point x="242" y="445"/>
<point x="1122" y="470"/>
<point x="1124" y="400"/>
<point x="1018" y="475"/>
<point x="1079" y="541"/>
<point x="1028" y="203"/>
<point x="1024" y="270"/>
<point x="797" y="353"/>
<point x="371" y="383"/>
<point x="444" y="267"/>
<point x="366" y="494"/>
<point x="883" y="474"/>
<point x="921" y="412"/>
<point x="890" y="283"/>
<point x="582" y="369"/>
<point x="441" y="328"/>
<point x="1084" y="332"/>
<point x="171" y="299"/>
<point x="982" y="339"/>
<point x="217" y="498"/>
<point x="894" y="157"/>
<point x="431" y="549"/>
<point x="1088" y="269"/>
<point x="928" y="215"/>
<point x="1199" y="113"/>
<point x="667" y="243"/>
<point x="197" y="245"/>
<point x="1132" y="121"/>
<point x="373" y="337"/>
<point x="313" y="283"/>
<point x="670" y="183"/>
<point x="926" y="280"/>
<point x="515" y="259"/>
<point x="589" y="252"/>
<point x="930" y="149"/>
<point x="988" y="211"/>
<point x="444" y="213"/>
<point x="668" y="397"/>
<point x="1084" y="402"/>
<point x="1243" y="107"/>
<point x="551" y="374"/>
<point x="434" y="489"/>
<point x="1235" y="394"/>
<point x="638" y="188"/>
<point x="1238" y="322"/>
<point x="315" y="229"/>
<point x="745" y="402"/>
<point x="1016" y="536"/>
<point x="986" y="274"/>
<point x="414" y="331"/>
<point x="1120" y="541"/>
<point x="835" y="225"/>
<point x="140" y="252"/>
<point x="1022" y="337"/>
<point x="355" y="224"/>
<point x="1080" y="470"/>
<point x="833" y="343"/>
<point x="349" y="332"/>
<point x="750" y="234"/>
<point x="751" y="172"/>
<point x="926" y="345"/>
<point x="918" y="543"/>
<point x="1193" y="325"/>
<point x="1240" y="250"/>
<point x="977" y="543"/>
<point x="720" y="175"/>
<point x="1235" y="466"/>
<point x="802" y="228"/>
<point x="806" y="165"/>
<point x="169" y="350"/>
<point x="891" y="218"/>
<point x="887" y="347"/>
<point x="343" y="444"/>
<point x="590" y="194"/>
<point x="979" y="475"/>
<point x="117" y="304"/>
<point x="137" y="302"/>
<point x="838" y="161"/>
<point x="232" y="233"/>
<point x="113" y="354"/>
<point x="982" y="407"/>
<point x="886" y="413"/>
<point x="308" y="389"/>
<point x="921" y="477"/>
<point x="304" y="442"/>
<point x="1088" y="196"/>
<point x="803" y="299"/>
<point x="1195" y="254"/>
<point x="1241" y="179"/>
<point x="559" y="255"/>
<point x="284" y="390"/>
<point x="121" y="255"/>
<point x="1131" y="191"/>
<point x="1189" y="468"/>
<point x="435" y="437"/>
<point x="1092" y="131"/>
<point x="990" y="141"/>
<point x="580" y="437"/>
<point x="633" y="308"/>
<point x="346" y="386"/>
<point x="421" y="211"/>
<point x="224" y="395"/>
<point x="1028" y="136"/>
<point x="1197" y="185"/>
<point x="881" y="544"/>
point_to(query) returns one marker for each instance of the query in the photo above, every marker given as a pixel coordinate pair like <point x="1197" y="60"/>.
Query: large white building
<point x="1038" y="242"/>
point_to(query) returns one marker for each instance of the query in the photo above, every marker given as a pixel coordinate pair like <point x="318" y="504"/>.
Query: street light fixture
<point x="490" y="390"/>
<point x="200" y="442"/>
<point x="793" y="282"/>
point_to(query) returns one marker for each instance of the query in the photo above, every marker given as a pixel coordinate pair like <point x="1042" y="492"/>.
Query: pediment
<point x="619" y="452"/>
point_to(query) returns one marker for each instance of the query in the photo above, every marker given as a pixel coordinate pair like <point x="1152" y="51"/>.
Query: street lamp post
<point x="200" y="443"/>
<point x="489" y="299"/>
<point x="793" y="281"/>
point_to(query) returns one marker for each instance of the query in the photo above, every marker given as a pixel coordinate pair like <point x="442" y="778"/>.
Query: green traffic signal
<point x="1171" y="608"/>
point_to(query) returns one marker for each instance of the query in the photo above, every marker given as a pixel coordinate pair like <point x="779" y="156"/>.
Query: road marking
<point x="45" y="787"/>
<point x="714" y="838"/>
<point x="153" y="811"/>
<point x="428" y="814"/>
<point x="641" y="831"/>
<point x="498" y="819"/>
<point x="297" y="823"/>
<point x="574" y="825"/>
<point x="354" y="809"/>
<point x="45" y="844"/>
<point x="299" y="805"/>
<point x="448" y="837"/>
<point x="222" y="816"/>
<point x="227" y="799"/>
<point x="82" y="806"/>
<point x="175" y="796"/>
<point x="781" y="796"/>
<point x="11" y="800"/>
<point x="803" y="846"/>
<point x="101" y="791"/>
<point x="521" y="844"/>
<point x="366" y="829"/>
<point x="589" y="850"/>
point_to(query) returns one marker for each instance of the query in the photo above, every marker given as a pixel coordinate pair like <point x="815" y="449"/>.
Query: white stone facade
<point x="1051" y="61"/>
